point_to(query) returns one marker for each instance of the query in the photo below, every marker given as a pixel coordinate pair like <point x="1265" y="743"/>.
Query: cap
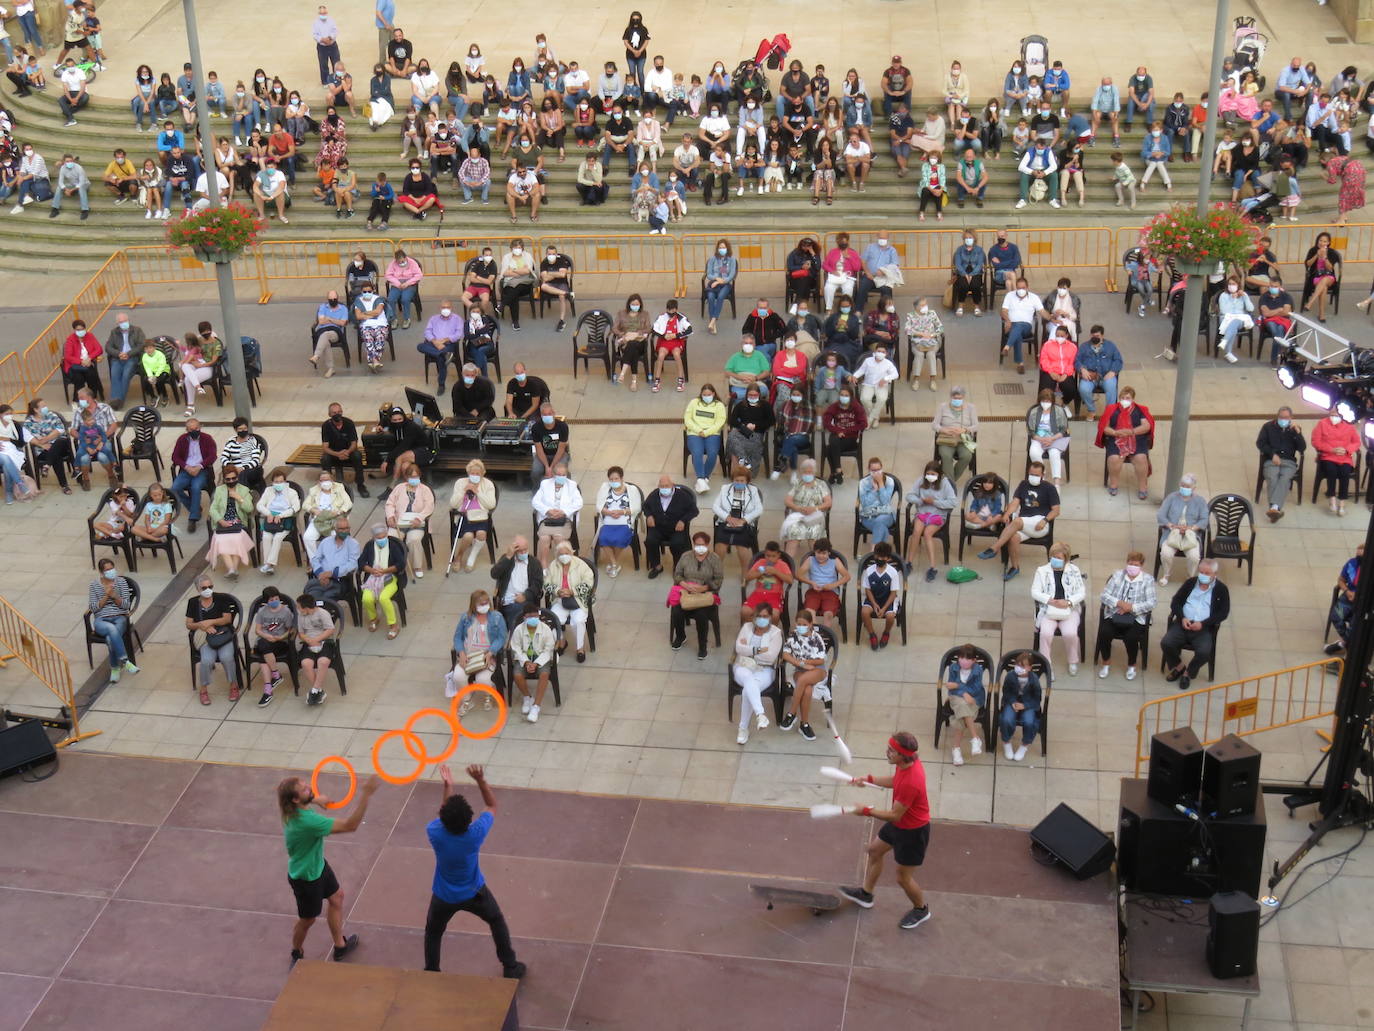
<point x="896" y="58"/>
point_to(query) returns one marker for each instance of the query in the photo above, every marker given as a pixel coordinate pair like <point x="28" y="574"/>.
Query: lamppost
<point x="224" y="269"/>
<point x="1197" y="280"/>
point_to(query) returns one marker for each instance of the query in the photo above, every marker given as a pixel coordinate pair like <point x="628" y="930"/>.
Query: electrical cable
<point x="1343" y="856"/>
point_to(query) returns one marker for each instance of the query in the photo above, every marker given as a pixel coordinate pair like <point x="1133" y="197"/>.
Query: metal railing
<point x="1251" y="705"/>
<point x="20" y="639"/>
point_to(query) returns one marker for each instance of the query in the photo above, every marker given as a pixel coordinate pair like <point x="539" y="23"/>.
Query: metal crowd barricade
<point x="1049" y="254"/>
<point x="1292" y="242"/>
<point x="760" y="255"/>
<point x="443" y="258"/>
<point x="20" y="639"/>
<point x="14" y="389"/>
<point x="318" y="262"/>
<point x="604" y="259"/>
<point x="1247" y="706"/>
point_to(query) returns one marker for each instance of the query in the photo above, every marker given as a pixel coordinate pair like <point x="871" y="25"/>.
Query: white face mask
<point x="445" y="312"/>
<point x="1062" y="292"/>
<point x="882" y="242"/>
<point x="565" y="559"/>
<point x="700" y="549"/>
<point x="1046" y="405"/>
<point x="932" y="478"/>
<point x="968" y="241"/>
<point x="1126" y="402"/>
<point x="747" y="348"/>
<point x="517" y="251"/>
<point x="923" y="309"/>
<point x="1020" y="291"/>
<point x="1033" y="480"/>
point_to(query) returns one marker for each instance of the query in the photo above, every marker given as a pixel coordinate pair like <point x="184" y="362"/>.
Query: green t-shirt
<point x="756" y="363"/>
<point x="305" y="833"/>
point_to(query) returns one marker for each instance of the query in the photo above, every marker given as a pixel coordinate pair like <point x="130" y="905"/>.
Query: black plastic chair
<point x="966" y="532"/>
<point x="551" y="621"/>
<point x="679" y="356"/>
<point x="729" y="296"/>
<point x="1229" y="515"/>
<point x="636" y="529"/>
<point x="131" y="634"/>
<point x="340" y="343"/>
<point x="493" y="352"/>
<point x="492" y="544"/>
<point x="1159" y="540"/>
<point x="801" y="289"/>
<point x="1059" y="630"/>
<point x="120" y="544"/>
<point x="1098" y="654"/>
<point x="785" y="615"/>
<point x="168" y="347"/>
<point x="909" y="371"/>
<point x="575" y="539"/>
<point x="862" y="533"/>
<point x="944" y="712"/>
<point x="832" y="662"/>
<point x="1064" y="455"/>
<point x="294" y="538"/>
<point x="1297" y="480"/>
<point x="332" y="650"/>
<point x="849" y="449"/>
<point x="591" y="340"/>
<point x="773" y="690"/>
<point x="720" y="456"/>
<point x="863" y="564"/>
<point x="251" y="658"/>
<point x="1357" y="481"/>
<point x="193" y="645"/>
<point x="1211" y="663"/>
<point x="910" y="523"/>
<point x="545" y="299"/>
<point x="1333" y="292"/>
<point x="1041" y="667"/>
<point x="842" y="617"/>
<point x="141" y="424"/>
<point x="169" y="542"/>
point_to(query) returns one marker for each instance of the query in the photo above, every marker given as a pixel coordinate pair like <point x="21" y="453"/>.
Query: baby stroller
<point x="772" y="52"/>
<point x="749" y="80"/>
<point x="1035" y="55"/>
<point x="1249" y="45"/>
<point x="1260" y="208"/>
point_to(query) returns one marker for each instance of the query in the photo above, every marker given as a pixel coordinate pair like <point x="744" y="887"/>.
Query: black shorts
<point x="908" y="844"/>
<point x="310" y="895"/>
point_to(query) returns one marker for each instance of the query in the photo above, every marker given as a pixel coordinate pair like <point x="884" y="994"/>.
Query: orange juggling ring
<point x="352" y="779"/>
<point x="415" y="745"/>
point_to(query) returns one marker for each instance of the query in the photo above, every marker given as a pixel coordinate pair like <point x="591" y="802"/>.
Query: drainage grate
<point x="989" y="624"/>
<point x="1338" y="40"/>
<point x="1008" y="389"/>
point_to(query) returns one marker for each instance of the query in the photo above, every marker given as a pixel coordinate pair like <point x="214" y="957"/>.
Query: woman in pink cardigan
<point x="1337" y="443"/>
<point x="403" y="277"/>
<point x="1056" y="365"/>
<point x="408" y="508"/>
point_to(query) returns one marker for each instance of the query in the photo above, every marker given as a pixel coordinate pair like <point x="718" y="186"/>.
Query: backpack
<point x="961" y="575"/>
<point x="252" y="356"/>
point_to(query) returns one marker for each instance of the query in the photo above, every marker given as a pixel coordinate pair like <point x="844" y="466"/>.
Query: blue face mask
<point x="274" y="603"/>
<point x="279" y="487"/>
<point x="956" y="402"/>
<point x="109" y="574"/>
<point x="531" y="621"/>
<point x="808" y="477"/>
<point x="1203" y="579"/>
<point x="560" y="480"/>
<point x="520" y="377"/>
<point x="547" y="420"/>
<point x="1285" y="423"/>
<point x="522" y="557"/>
<point x="414" y="481"/>
<point x="1186" y="492"/>
<point x="762" y="622"/>
<point x="665" y="492"/>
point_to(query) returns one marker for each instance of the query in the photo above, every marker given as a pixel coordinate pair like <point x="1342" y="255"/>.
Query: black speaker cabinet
<point x="1074" y="842"/>
<point x="24" y="745"/>
<point x="1175" y="766"/>
<point x="1233" y="920"/>
<point x="1162" y="851"/>
<point x="1230" y="778"/>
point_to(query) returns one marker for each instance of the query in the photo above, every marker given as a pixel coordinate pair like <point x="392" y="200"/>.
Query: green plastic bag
<point x="961" y="575"/>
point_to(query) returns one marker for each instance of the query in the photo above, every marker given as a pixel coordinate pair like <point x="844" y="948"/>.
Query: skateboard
<point x="817" y="901"/>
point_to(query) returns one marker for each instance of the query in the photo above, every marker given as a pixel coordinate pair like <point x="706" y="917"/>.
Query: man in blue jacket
<point x="1005" y="260"/>
<point x="1098" y="363"/>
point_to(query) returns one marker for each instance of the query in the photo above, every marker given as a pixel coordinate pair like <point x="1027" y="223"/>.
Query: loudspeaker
<point x="1162" y="851"/>
<point x="1175" y="766"/>
<point x="1074" y="842"/>
<point x="1230" y="778"/>
<point x="1232" y="934"/>
<point x="23" y="745"/>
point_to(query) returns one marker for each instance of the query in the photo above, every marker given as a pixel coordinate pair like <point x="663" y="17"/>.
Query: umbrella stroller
<point x="1249" y="45"/>
<point x="1035" y="55"/>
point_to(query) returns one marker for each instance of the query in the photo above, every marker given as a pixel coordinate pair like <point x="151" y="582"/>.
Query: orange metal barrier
<point x="322" y="261"/>
<point x="1248" y="706"/>
<point x="155" y="265"/>
<point x="755" y="252"/>
<point x="635" y="255"/>
<point x="20" y="639"/>
<point x="446" y="256"/>
<point x="14" y="390"/>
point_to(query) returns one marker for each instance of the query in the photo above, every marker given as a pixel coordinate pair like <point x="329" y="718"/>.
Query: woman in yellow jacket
<point x="408" y="508"/>
<point x="702" y="423"/>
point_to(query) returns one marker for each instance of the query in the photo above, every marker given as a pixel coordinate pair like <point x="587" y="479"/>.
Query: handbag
<point x="1056" y="613"/>
<point x="691" y="602"/>
<point x="1181" y="540"/>
<point x="476" y="664"/>
<point x="1123" y="620"/>
<point x="570" y="603"/>
<point x="219" y="638"/>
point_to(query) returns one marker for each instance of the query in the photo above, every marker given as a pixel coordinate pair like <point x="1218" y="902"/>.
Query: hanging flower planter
<point x="1201" y="243"/>
<point x="216" y="235"/>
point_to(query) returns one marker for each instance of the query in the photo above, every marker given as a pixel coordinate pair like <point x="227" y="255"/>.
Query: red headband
<point x="897" y="747"/>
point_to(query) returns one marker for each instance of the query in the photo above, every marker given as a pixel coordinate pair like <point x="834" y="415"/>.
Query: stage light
<point x="1347" y="409"/>
<point x="1288" y="374"/>
<point x="1319" y="394"/>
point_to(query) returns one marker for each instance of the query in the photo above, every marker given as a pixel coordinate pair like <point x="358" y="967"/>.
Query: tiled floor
<point x="167" y="908"/>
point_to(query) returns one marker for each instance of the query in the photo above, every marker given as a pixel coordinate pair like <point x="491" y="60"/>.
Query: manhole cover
<point x="1009" y="389"/>
<point x="989" y="624"/>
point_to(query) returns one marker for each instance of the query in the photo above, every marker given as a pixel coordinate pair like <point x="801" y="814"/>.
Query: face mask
<point x="207" y="592"/>
<point x="923" y="309"/>
<point x="753" y="399"/>
<point x="845" y="310"/>
<point x="1034" y="480"/>
<point x="445" y="312"/>
<point x="1096" y="341"/>
<point x="1062" y="292"/>
<point x="965" y="663"/>
<point x="1203" y="579"/>
<point x="522" y="557"/>
<point x="747" y="348"/>
<point x="956" y="402"/>
<point x="1056" y="563"/>
<point x="1284" y="423"/>
<point x="844" y="399"/>
<point x="547" y="420"/>
<point x="83" y="403"/>
<point x="762" y="622"/>
<point x="803" y="312"/>
<point x="1044" y="111"/>
<point x="1046" y="405"/>
<point x="1335" y="420"/>
<point x="1016" y="69"/>
<point x="1126" y="402"/>
<point x="1274" y="290"/>
<point x="565" y="559"/>
<point x="81" y="332"/>
<point x="261" y="79"/>
<point x="789" y="345"/>
<point x="1132" y="570"/>
<point x="1232" y="289"/>
<point x="1156" y="133"/>
<point x="413" y="481"/>
<point x="520" y="377"/>
<point x="722" y="251"/>
<point x="531" y="621"/>
<point x="1021" y="671"/>
<point x="483" y="609"/>
<point x="193" y="434"/>
<point x="560" y="481"/>
<point x="108" y="574"/>
<point x="808" y="477"/>
<point x="1186" y="492"/>
<point x="831" y="363"/>
<point x="1020" y="291"/>
<point x="517" y="251"/>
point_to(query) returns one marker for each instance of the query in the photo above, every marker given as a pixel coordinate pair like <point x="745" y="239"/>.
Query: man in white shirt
<point x="875" y="374"/>
<point x="203" y="199"/>
<point x="687" y="162"/>
<point x="658" y="83"/>
<point x="270" y="185"/>
<point x="1019" y="308"/>
<point x="575" y="83"/>
<point x="523" y="188"/>
<point x="74" y="96"/>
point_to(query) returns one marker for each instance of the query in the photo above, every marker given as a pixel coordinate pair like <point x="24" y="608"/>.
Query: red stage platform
<point x="140" y="894"/>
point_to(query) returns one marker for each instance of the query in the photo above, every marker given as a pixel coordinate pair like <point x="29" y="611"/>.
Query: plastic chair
<point x="1297" y="480"/>
<point x="911" y="359"/>
<point x="832" y="662"/>
<point x="910" y="522"/>
<point x="966" y="532"/>
<point x="594" y="331"/>
<point x="729" y="296"/>
<point x="1058" y="629"/>
<point x="1211" y="663"/>
<point x="636" y="528"/>
<point x="549" y="299"/>
<point x="143" y="422"/>
<point x="131" y="634"/>
<point x="340" y="342"/>
<point x="862" y="533"/>
<point x="332" y="650"/>
<point x="842" y="617"/>
<point x="785" y="614"/>
<point x="117" y="545"/>
<point x="863" y="565"/>
<point x="193" y="645"/>
<point x="250" y="657"/>
<point x="733" y="691"/>
<point x="169" y="542"/>
<point x="1042" y="668"/>
<point x="944" y="712"/>
<point x="492" y="544"/>
<point x="1229" y="515"/>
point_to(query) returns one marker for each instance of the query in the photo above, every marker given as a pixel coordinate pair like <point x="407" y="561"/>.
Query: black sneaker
<point x="807" y="732"/>
<point x="915" y="918"/>
<point x="295" y="955"/>
<point x="350" y="943"/>
<point x="930" y="573"/>
<point x="676" y="643"/>
<point x="701" y="653"/>
<point x="265" y="700"/>
<point x="363" y="492"/>
<point x="559" y="328"/>
<point x="516" y="972"/>
<point x="787" y="721"/>
<point x="1334" y="648"/>
<point x="315" y="697"/>
<point x="858" y="896"/>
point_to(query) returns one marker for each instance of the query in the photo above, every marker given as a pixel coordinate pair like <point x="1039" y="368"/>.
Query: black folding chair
<point x="944" y="712"/>
<point x="172" y="540"/>
<point x="1296" y="482"/>
<point x="140" y="425"/>
<point x="131" y="634"/>
<point x="251" y="657"/>
<point x="863" y="564"/>
<point x="194" y="638"/>
<point x="862" y="532"/>
<point x="119" y="544"/>
<point x="1042" y="668"/>
<point x="1229" y="517"/>
<point x="591" y="340"/>
<point x="841" y="617"/>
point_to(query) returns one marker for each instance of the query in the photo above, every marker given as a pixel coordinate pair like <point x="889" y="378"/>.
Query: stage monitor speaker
<point x="1074" y="842"/>
<point x="1232" y="934"/>
<point x="1175" y="766"/>
<point x="1230" y="778"/>
<point x="24" y="745"/>
<point x="1162" y="851"/>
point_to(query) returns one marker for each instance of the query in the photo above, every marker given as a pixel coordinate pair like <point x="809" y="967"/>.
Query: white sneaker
<point x="1231" y="358"/>
<point x="419" y="574"/>
<point x="742" y="738"/>
<point x="1130" y="672"/>
<point x="1054" y="203"/>
<point x="1104" y="673"/>
<point x="1020" y="754"/>
<point x="1020" y="204"/>
<point x="976" y="746"/>
<point x="17" y="209"/>
<point x="1007" y="749"/>
<point x="1073" y="669"/>
<point x="775" y="474"/>
<point x="957" y="758"/>
<point x="762" y="722"/>
<point x="1163" y="581"/>
<point x="525" y="705"/>
<point x="739" y="192"/>
<point x="533" y="717"/>
<point x="703" y="485"/>
<point x="147" y="214"/>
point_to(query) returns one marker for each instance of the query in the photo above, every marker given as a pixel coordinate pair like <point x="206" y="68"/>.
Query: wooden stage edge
<point x="321" y="996"/>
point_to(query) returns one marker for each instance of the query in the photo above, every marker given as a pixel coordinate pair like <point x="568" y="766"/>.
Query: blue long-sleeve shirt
<point x="969" y="261"/>
<point x="726" y="268"/>
<point x="1153" y="143"/>
<point x="335" y="556"/>
<point x="1100" y="360"/>
<point x="875" y="257"/>
<point x="1004" y="258"/>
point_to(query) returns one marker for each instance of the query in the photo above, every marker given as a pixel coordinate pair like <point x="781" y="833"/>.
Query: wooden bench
<point x="497" y="460"/>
